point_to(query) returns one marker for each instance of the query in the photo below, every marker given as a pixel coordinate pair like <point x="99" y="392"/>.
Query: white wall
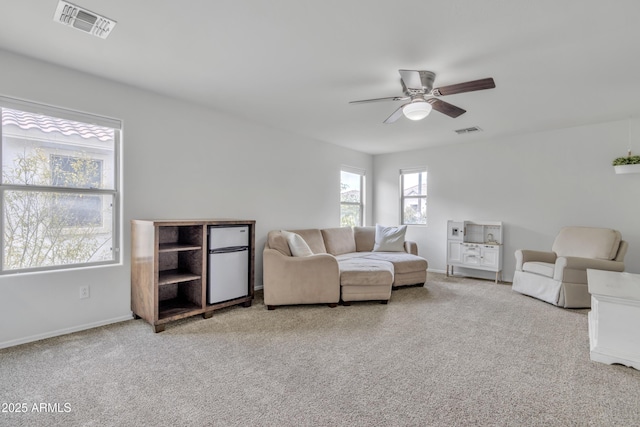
<point x="179" y="161"/>
<point x="534" y="183"/>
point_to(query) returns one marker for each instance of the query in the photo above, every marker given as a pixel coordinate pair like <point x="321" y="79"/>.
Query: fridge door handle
<point x="229" y="249"/>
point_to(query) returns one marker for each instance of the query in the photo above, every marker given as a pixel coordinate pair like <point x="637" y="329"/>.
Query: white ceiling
<point x="295" y="64"/>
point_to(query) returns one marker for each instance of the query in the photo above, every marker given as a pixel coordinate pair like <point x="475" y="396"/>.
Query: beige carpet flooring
<point x="456" y="352"/>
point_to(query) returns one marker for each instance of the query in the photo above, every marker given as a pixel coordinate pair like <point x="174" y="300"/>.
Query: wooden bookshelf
<point x="169" y="270"/>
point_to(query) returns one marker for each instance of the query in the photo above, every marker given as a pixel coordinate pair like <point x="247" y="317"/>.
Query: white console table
<point x="614" y="319"/>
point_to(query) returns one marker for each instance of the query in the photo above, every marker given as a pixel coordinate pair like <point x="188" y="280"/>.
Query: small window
<point x="351" y="197"/>
<point x="59" y="188"/>
<point x="413" y="200"/>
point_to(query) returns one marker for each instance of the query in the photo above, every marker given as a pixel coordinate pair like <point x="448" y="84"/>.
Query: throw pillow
<point x="278" y="242"/>
<point x="389" y="239"/>
<point x="297" y="245"/>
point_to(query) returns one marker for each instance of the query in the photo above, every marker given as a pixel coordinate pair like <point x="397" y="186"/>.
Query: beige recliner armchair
<point x="560" y="277"/>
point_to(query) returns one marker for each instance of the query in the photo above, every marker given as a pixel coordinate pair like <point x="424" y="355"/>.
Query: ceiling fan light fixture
<point x="416" y="110"/>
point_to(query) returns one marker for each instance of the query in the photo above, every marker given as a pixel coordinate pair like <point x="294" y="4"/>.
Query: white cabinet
<point x="475" y="245"/>
<point x="614" y="316"/>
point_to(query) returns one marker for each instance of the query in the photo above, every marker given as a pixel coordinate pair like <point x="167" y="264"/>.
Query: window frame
<point x="403" y="198"/>
<point x="361" y="205"/>
<point x="114" y="193"/>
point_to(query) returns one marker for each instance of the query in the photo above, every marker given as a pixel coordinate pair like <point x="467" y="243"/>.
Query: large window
<point x="413" y="199"/>
<point x="351" y="197"/>
<point x="59" y="188"/>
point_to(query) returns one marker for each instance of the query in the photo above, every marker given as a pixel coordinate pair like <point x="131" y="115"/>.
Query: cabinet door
<point x="454" y="253"/>
<point x="490" y="257"/>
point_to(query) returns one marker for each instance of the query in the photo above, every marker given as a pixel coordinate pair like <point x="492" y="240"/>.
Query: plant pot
<point x="627" y="169"/>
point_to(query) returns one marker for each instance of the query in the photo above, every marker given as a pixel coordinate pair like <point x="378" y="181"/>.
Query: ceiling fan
<point x="418" y="90"/>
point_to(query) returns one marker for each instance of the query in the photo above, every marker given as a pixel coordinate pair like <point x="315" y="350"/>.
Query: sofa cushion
<point x="389" y="239"/>
<point x="365" y="238"/>
<point x="275" y="240"/>
<point x="297" y="245"/>
<point x="402" y="261"/>
<point x="365" y="272"/>
<point x="542" y="268"/>
<point x="587" y="242"/>
<point x="350" y="255"/>
<point x="339" y="240"/>
<point x="313" y="237"/>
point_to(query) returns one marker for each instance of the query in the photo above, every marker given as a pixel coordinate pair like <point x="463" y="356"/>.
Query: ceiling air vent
<point x="468" y="130"/>
<point x="83" y="20"/>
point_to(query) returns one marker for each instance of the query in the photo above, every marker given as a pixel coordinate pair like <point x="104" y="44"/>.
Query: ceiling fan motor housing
<point x="414" y="86"/>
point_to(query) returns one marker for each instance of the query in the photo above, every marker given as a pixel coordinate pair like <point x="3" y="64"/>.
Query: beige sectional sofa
<point x="341" y="266"/>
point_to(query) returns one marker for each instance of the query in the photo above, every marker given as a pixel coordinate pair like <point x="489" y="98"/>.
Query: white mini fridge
<point x="228" y="269"/>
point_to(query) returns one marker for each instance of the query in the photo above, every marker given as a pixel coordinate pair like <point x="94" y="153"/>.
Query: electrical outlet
<point x="84" y="292"/>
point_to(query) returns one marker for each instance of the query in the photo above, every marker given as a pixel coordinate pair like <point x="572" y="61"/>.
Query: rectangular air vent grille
<point x="468" y="130"/>
<point x="83" y="20"/>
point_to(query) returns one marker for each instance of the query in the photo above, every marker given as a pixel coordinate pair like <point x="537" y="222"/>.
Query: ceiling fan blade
<point x="395" y="116"/>
<point x="481" y="84"/>
<point x="391" y="98"/>
<point x="446" y="108"/>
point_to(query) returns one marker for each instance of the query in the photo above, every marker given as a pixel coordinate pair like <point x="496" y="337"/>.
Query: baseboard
<point x="65" y="331"/>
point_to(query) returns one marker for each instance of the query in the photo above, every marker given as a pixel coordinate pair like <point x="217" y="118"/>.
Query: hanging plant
<point x="629" y="164"/>
<point x="628" y="160"/>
